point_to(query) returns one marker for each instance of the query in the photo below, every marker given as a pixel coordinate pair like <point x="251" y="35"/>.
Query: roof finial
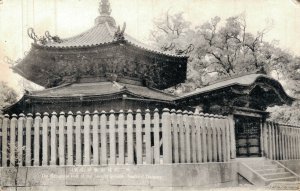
<point x="104" y="8"/>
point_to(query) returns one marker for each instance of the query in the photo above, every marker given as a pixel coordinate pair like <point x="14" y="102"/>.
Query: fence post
<point x="61" y="138"/>
<point x="103" y="122"/>
<point x="193" y="137"/>
<point x="204" y="135"/>
<point x="112" y="137"/>
<point x="29" y="123"/>
<point x="198" y="136"/>
<point x="149" y="158"/>
<point x="166" y="131"/>
<point x="86" y="136"/>
<point x="54" y="123"/>
<point x="78" y="123"/>
<point x="121" y="138"/>
<point x="130" y="137"/>
<point x="209" y="137"/>
<point x="95" y="138"/>
<point x="232" y="137"/>
<point x="12" y="145"/>
<point x="4" y="140"/>
<point x="36" y="146"/>
<point x="218" y="123"/>
<point x="138" y="125"/>
<point x="70" y="123"/>
<point x="181" y="136"/>
<point x="21" y="124"/>
<point x="227" y="138"/>
<point x="175" y="136"/>
<point x="156" y="137"/>
<point x="186" y="127"/>
<point x="45" y="139"/>
<point x="224" y="142"/>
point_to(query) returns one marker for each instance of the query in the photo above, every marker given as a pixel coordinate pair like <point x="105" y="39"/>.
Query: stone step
<point x="277" y="175"/>
<point x="291" y="178"/>
<point x="270" y="171"/>
<point x="265" y="167"/>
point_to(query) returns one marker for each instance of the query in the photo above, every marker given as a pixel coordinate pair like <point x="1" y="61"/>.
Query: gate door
<point x="247" y="134"/>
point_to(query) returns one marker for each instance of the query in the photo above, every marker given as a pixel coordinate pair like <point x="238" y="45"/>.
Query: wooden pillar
<point x="78" y="125"/>
<point x="112" y="137"/>
<point x="29" y="123"/>
<point x="121" y="137"/>
<point x="139" y="149"/>
<point x="70" y="124"/>
<point x="103" y="128"/>
<point x="130" y="137"/>
<point x="21" y="124"/>
<point x="149" y="159"/>
<point x="187" y="137"/>
<point x="12" y="146"/>
<point x="36" y="145"/>
<point x="166" y="131"/>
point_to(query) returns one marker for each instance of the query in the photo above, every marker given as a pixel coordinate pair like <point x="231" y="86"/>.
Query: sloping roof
<point x="101" y="89"/>
<point x="102" y="34"/>
<point x="245" y="80"/>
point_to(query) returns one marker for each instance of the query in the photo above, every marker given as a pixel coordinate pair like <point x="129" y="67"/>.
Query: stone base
<point x="121" y="177"/>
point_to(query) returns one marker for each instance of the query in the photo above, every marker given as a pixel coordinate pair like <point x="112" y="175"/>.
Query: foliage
<point x="8" y="96"/>
<point x="222" y="50"/>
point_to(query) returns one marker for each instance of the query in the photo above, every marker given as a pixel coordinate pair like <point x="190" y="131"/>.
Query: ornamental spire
<point x="104" y="8"/>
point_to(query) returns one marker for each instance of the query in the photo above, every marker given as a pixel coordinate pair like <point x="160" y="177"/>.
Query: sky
<point x="70" y="17"/>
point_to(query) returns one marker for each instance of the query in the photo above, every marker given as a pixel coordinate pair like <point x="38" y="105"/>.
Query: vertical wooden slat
<point x="112" y="137"/>
<point x="227" y="138"/>
<point x="186" y="126"/>
<point x="103" y="122"/>
<point x="121" y="138"/>
<point x="223" y="137"/>
<point x="86" y="137"/>
<point x="130" y="137"/>
<point x="5" y="127"/>
<point x="198" y="136"/>
<point x="279" y="142"/>
<point x="70" y="124"/>
<point x="36" y="146"/>
<point x="289" y="143"/>
<point x="61" y="138"/>
<point x="298" y="143"/>
<point x="218" y="123"/>
<point x="262" y="138"/>
<point x="276" y="142"/>
<point x="294" y="145"/>
<point x="21" y="124"/>
<point x="54" y="123"/>
<point x="232" y="137"/>
<point x="284" y="143"/>
<point x="265" y="136"/>
<point x="139" y="151"/>
<point x="203" y="123"/>
<point x="166" y="133"/>
<point x="209" y="138"/>
<point x="156" y="137"/>
<point x="45" y="126"/>
<point x="148" y="137"/>
<point x="78" y="125"/>
<point x="273" y="141"/>
<point x="193" y="137"/>
<point x="181" y="137"/>
<point x="214" y="137"/>
<point x="96" y="138"/>
<point x="270" y="133"/>
<point x="12" y="145"/>
<point x="174" y="129"/>
<point x="29" y="123"/>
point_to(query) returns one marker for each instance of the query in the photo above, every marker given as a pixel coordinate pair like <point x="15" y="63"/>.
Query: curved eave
<point x="286" y="99"/>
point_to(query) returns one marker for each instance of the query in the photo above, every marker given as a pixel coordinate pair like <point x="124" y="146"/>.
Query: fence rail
<point x="115" y="138"/>
<point x="281" y="141"/>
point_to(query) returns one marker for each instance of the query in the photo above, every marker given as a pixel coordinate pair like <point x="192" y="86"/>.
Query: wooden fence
<point x="115" y="138"/>
<point x="281" y="141"/>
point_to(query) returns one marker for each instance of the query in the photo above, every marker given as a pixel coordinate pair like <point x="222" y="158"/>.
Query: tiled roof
<point x="102" y="34"/>
<point x="101" y="89"/>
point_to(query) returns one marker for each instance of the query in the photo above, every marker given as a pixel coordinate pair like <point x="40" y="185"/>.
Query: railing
<point x="115" y="138"/>
<point x="281" y="141"/>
